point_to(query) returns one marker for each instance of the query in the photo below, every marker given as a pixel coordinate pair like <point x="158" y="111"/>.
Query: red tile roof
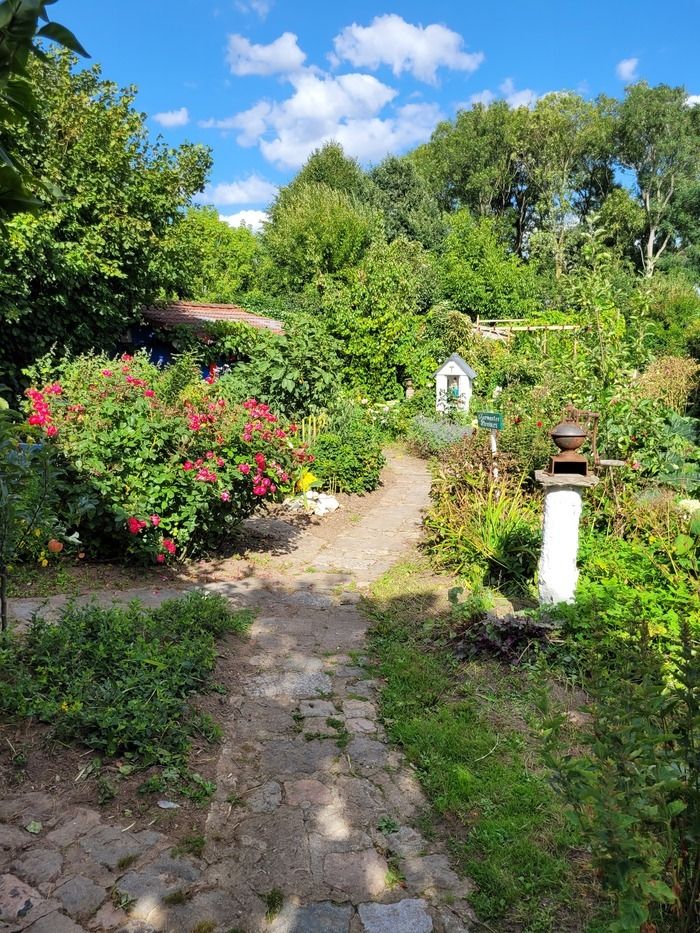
<point x="197" y="315"/>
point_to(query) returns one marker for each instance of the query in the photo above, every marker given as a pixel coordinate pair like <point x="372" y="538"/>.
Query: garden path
<point x="311" y="829"/>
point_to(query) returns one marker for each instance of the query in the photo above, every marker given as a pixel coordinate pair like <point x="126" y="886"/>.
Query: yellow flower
<point x="306" y="481"/>
<point x="37" y="532"/>
<point x="44" y="562"/>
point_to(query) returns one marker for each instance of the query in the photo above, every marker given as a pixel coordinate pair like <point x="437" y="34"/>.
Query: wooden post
<point x="494" y="452"/>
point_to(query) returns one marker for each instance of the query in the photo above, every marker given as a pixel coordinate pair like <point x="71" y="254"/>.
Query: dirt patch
<point x="264" y="539"/>
<point x="74" y="578"/>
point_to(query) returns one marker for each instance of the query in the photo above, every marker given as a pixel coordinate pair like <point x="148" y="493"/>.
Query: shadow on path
<point x="313" y="810"/>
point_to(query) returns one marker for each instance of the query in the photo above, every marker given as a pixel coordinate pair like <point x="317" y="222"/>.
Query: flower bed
<point x="158" y="462"/>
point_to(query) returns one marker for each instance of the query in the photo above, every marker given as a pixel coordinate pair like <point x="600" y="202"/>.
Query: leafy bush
<point x="27" y="501"/>
<point x="348" y="453"/>
<point x="657" y="443"/>
<point x="480" y="276"/>
<point x="488" y="532"/>
<point x="315" y="231"/>
<point x="635" y="789"/>
<point x="374" y="311"/>
<point x="117" y="680"/>
<point x="76" y="274"/>
<point x="298" y="372"/>
<point x="429" y="436"/>
<point x="646" y="572"/>
<point x="169" y="462"/>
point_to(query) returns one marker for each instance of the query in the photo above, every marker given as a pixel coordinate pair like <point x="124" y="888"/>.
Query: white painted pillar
<point x="563" y="500"/>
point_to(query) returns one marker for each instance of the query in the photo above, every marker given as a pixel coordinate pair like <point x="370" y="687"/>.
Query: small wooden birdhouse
<point x="453" y="384"/>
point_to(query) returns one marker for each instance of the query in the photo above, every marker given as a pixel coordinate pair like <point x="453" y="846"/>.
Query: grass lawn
<point x="471" y="730"/>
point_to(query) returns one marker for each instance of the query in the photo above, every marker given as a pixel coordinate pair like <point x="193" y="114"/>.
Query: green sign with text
<point x="493" y="420"/>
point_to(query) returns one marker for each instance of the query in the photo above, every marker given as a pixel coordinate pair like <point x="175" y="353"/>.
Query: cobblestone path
<point x="311" y="829"/>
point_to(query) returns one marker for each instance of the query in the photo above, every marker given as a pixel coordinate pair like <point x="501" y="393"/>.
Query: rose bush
<point x="169" y="464"/>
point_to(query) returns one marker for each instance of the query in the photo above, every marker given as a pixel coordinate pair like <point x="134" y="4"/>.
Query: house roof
<point x="457" y="359"/>
<point x="197" y="315"/>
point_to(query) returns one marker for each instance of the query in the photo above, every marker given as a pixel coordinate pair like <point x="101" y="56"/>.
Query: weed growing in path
<point x="274" y="901"/>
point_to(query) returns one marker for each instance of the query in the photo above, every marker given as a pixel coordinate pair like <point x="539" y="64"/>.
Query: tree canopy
<point x="79" y="271"/>
<point x="504" y="212"/>
<point x="210" y="260"/>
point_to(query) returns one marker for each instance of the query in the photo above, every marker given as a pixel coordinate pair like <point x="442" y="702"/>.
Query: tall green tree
<point x="376" y="312"/>
<point x="568" y="167"/>
<point x="77" y="273"/>
<point x="409" y="207"/>
<point x="480" y="276"/>
<point x="314" y="232"/>
<point x="540" y="169"/>
<point x="658" y="139"/>
<point x="474" y="162"/>
<point x="621" y="221"/>
<point x="685" y="220"/>
<point x="327" y="166"/>
<point x="211" y="260"/>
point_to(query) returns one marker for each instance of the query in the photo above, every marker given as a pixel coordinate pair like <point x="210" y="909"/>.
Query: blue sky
<point x="264" y="82"/>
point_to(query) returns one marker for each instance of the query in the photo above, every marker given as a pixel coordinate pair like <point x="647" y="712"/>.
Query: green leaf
<point x="63" y="36"/>
<point x="683" y="544"/>
<point x="675" y="807"/>
<point x="6" y="12"/>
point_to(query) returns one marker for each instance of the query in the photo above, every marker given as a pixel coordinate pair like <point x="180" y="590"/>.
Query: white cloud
<point x="692" y="100"/>
<point x="253" y="219"/>
<point x="283" y="56"/>
<point x="626" y="70"/>
<point x="390" y="40"/>
<point x="483" y="97"/>
<point x="366" y="138"/>
<point x="252" y="123"/>
<point x="170" y="118"/>
<point x="251" y="190"/>
<point x="260" y="7"/>
<point x="512" y="96"/>
<point x="370" y="140"/>
<point x="346" y="108"/>
<point x="515" y="98"/>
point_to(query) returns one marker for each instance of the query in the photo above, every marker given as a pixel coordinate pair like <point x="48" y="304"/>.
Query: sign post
<point x="493" y="421"/>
